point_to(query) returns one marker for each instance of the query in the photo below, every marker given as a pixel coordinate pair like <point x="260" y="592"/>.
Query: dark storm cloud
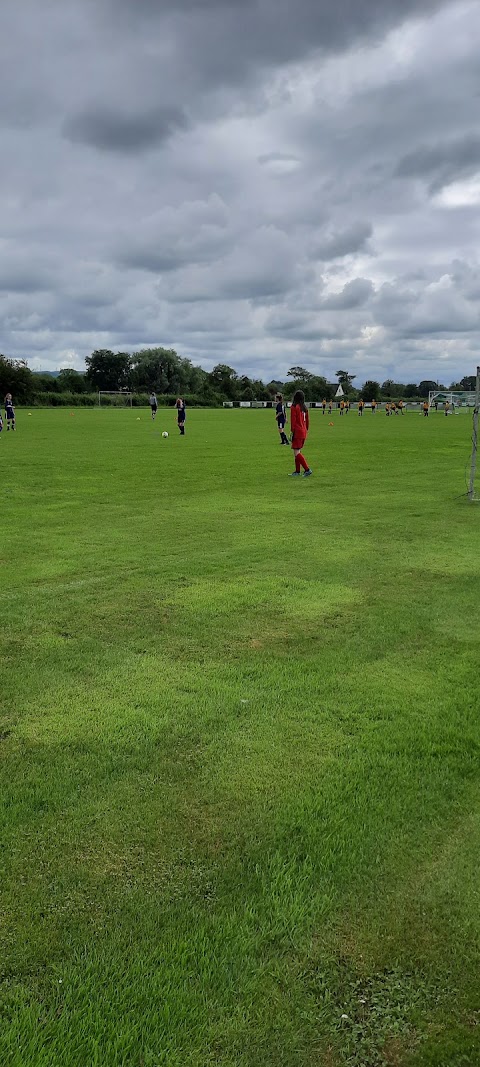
<point x="443" y="162"/>
<point x="226" y="38"/>
<point x="115" y="132"/>
<point x="23" y="280"/>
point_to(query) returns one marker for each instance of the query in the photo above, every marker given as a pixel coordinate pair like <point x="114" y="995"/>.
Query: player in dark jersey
<point x="181" y="415"/>
<point x="153" y="404"/>
<point x="9" y="412"/>
<point x="281" y="417"/>
<point x="324" y="406"/>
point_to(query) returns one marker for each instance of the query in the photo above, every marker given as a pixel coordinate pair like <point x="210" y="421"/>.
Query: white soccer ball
<point x="165" y="433"/>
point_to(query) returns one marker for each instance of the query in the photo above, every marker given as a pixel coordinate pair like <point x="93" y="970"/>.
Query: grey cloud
<point x="443" y="162"/>
<point x="354" y="294"/>
<point x="226" y="39"/>
<point x="196" y="232"/>
<point x="23" y="280"/>
<point x="112" y="131"/>
<point x="441" y="307"/>
<point x="340" y="243"/>
<point x="258" y="267"/>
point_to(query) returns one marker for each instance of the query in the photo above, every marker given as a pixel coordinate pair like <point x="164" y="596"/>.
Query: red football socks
<point x="300" y="461"/>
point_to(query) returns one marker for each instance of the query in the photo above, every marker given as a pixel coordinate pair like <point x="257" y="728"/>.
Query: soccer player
<point x="342" y="406"/>
<point x="425" y="408"/>
<point x="347" y="406"/>
<point x="330" y="407"/>
<point x="393" y="409"/>
<point x="153" y="404"/>
<point x="181" y="415"/>
<point x="401" y="406"/>
<point x="387" y="409"/>
<point x="361" y="406"/>
<point x="281" y="417"/>
<point x="1" y="422"/>
<point x="324" y="406"/>
<point x="446" y="407"/>
<point x="373" y="406"/>
<point x="299" y="426"/>
<point x="9" y="412"/>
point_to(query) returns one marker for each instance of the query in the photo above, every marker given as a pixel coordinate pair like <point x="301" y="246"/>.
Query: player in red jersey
<point x="299" y="426"/>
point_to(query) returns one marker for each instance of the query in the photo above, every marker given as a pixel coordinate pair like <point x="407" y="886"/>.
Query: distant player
<point x="401" y="406"/>
<point x="342" y="406"/>
<point x="281" y="417"/>
<point x="9" y="412"/>
<point x="446" y="407"/>
<point x="330" y="407"/>
<point x="153" y="404"/>
<point x="324" y="406"/>
<point x="1" y="422"/>
<point x="361" y="406"/>
<point x="347" y="406"/>
<point x="181" y="415"/>
<point x="299" y="425"/>
<point x="373" y="406"/>
<point x="387" y="409"/>
<point x="425" y="408"/>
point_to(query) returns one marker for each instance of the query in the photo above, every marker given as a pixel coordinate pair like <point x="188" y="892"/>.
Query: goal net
<point x="454" y="399"/>
<point x="115" y="398"/>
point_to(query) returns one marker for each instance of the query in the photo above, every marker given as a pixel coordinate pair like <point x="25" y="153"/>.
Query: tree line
<point x="169" y="375"/>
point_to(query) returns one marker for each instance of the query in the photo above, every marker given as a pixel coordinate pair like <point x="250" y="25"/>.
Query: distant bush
<point x="48" y="398"/>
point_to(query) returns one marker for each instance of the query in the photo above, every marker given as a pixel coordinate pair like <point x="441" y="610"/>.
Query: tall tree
<point x="370" y="391"/>
<point x="427" y="387"/>
<point x="71" y="381"/>
<point x="224" y="380"/>
<point x="391" y="388"/>
<point x="299" y="374"/>
<point x="16" y="378"/>
<point x="163" y="370"/>
<point x="345" y="380"/>
<point x="45" y="383"/>
<point x="108" y="370"/>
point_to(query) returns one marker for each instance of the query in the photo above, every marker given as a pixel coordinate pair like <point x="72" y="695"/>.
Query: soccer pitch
<point x="239" y="743"/>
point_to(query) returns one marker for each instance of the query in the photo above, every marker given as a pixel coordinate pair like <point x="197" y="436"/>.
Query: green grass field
<point x="239" y="743"/>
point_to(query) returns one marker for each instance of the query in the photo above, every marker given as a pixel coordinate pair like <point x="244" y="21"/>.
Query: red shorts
<point x="298" y="442"/>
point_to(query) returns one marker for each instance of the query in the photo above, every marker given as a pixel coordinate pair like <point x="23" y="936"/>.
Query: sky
<point x="262" y="183"/>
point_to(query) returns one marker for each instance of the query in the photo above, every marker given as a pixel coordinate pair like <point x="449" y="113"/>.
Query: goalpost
<point x="473" y="460"/>
<point x="118" y="398"/>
